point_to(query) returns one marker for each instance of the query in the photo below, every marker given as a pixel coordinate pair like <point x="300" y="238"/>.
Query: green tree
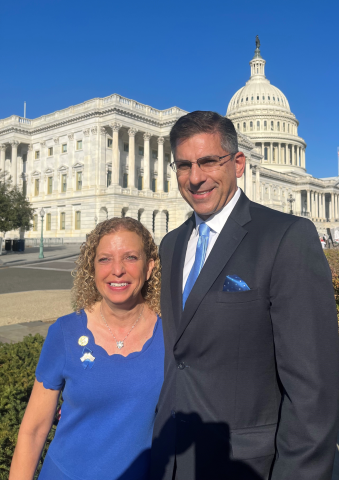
<point x="15" y="210"/>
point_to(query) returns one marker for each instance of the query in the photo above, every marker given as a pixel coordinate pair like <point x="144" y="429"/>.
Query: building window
<point x="36" y="186"/>
<point x="109" y="178"/>
<point x="109" y="143"/>
<point x="77" y="220"/>
<point x="79" y="144"/>
<point x="155" y="154"/>
<point x="258" y="97"/>
<point x="125" y="180"/>
<point x="141" y="150"/>
<point x="48" y="221"/>
<point x="126" y="147"/>
<point x="154" y="184"/>
<point x="166" y="186"/>
<point x="63" y="183"/>
<point x="263" y="97"/>
<point x="50" y="151"/>
<point x="140" y="183"/>
<point x="252" y="98"/>
<point x="251" y="126"/>
<point x="269" y="98"/>
<point x="272" y="126"/>
<point x="79" y="180"/>
<point x="258" y="125"/>
<point x="64" y="148"/>
<point x="244" y="127"/>
<point x="265" y="125"/>
<point x="266" y="154"/>
<point x="238" y="126"/>
<point x="37" y="154"/>
<point x="246" y="99"/>
<point x="62" y="220"/>
<point x="35" y="223"/>
<point x="49" y="185"/>
<point x="278" y="126"/>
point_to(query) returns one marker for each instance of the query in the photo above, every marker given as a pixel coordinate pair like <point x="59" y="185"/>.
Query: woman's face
<point x="121" y="268"/>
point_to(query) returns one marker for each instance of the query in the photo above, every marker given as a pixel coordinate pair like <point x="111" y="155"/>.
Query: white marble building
<point x="110" y="157"/>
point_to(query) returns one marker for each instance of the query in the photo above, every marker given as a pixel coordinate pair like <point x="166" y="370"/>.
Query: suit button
<point x="173" y="413"/>
<point x="181" y="365"/>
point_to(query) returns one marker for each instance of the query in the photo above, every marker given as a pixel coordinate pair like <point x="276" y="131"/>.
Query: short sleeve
<point x="52" y="359"/>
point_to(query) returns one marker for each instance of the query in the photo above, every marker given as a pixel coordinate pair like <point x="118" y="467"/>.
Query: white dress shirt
<point x="216" y="223"/>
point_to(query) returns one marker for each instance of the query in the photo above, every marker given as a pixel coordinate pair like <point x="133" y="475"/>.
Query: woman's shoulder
<point x="68" y="323"/>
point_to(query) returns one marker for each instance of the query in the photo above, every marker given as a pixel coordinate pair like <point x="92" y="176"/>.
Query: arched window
<point x="278" y="126"/>
<point x="252" y="98"/>
<point x="242" y="100"/>
<point x="265" y="125"/>
<point x="263" y="97"/>
<point x="238" y="126"/>
<point x="258" y="125"/>
<point x="244" y="126"/>
<point x="266" y="154"/>
<point x="273" y="99"/>
<point x="251" y="126"/>
<point x="278" y="99"/>
<point x="269" y="97"/>
<point x="258" y="97"/>
<point x="272" y="125"/>
<point x="246" y="99"/>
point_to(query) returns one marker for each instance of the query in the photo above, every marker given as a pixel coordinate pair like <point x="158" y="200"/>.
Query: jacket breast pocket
<point x="238" y="297"/>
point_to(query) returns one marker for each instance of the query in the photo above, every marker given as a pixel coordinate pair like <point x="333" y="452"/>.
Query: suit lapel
<point x="229" y="239"/>
<point x="178" y="263"/>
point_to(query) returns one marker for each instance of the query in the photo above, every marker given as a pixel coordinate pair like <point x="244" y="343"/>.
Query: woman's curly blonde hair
<point x="84" y="291"/>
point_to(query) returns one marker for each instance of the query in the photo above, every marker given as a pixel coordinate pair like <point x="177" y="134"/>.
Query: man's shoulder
<point x="270" y="219"/>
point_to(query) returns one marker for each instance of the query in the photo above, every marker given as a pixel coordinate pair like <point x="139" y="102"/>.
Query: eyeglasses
<point x="207" y="164"/>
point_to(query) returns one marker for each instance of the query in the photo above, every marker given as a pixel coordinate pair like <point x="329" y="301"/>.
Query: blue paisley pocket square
<point x="233" y="283"/>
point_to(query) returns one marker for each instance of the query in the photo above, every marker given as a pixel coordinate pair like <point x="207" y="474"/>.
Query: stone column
<point x="279" y="153"/>
<point x="332" y="208"/>
<point x="297" y="207"/>
<point x="174" y="181"/>
<point x="15" y="162"/>
<point x="257" y="181"/>
<point x="303" y="158"/>
<point x="160" y="183"/>
<point x="115" y="153"/>
<point x="131" y="157"/>
<point x="271" y="152"/>
<point x="308" y="206"/>
<point x="2" y="157"/>
<point x="335" y="207"/>
<point x="287" y="160"/>
<point x="147" y="183"/>
<point x="29" y="169"/>
<point x="86" y="145"/>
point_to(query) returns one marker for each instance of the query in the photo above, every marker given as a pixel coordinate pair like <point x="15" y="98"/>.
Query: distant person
<point x="250" y="328"/>
<point x="107" y="360"/>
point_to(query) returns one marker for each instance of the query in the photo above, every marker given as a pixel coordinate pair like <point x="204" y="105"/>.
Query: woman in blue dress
<point x="107" y="359"/>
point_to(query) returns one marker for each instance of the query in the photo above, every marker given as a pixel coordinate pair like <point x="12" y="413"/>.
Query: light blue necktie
<point x="200" y="255"/>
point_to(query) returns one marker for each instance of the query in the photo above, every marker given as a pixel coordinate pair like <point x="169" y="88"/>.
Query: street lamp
<point x="290" y="201"/>
<point x="41" y="253"/>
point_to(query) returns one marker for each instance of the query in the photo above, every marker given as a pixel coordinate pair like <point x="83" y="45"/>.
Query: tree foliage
<point x="15" y="210"/>
<point x="17" y="372"/>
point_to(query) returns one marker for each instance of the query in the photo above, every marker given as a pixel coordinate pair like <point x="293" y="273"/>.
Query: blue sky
<point x="57" y="53"/>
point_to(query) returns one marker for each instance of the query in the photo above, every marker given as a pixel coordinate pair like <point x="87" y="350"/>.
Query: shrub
<point x="333" y="260"/>
<point x="17" y="373"/>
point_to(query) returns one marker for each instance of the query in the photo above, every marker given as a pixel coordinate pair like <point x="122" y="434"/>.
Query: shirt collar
<point x="217" y="221"/>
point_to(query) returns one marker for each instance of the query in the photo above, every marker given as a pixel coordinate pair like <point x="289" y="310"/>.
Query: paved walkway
<point x="31" y="254"/>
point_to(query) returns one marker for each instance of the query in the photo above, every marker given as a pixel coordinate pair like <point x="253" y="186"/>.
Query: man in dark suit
<point x="250" y="327"/>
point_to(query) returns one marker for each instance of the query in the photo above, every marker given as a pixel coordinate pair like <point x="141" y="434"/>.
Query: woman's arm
<point x="33" y="432"/>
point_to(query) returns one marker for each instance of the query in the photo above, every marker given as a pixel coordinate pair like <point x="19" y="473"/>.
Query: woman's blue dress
<point x="107" y="416"/>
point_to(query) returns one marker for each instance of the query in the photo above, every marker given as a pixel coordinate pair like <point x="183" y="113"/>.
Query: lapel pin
<point x="83" y="341"/>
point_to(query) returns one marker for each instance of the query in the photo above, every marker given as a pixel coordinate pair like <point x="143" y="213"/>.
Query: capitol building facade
<point x="111" y="157"/>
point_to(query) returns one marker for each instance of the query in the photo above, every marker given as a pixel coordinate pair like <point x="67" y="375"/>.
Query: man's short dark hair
<point x="205" y="122"/>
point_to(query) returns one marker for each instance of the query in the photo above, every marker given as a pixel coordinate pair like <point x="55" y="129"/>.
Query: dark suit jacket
<point x="251" y="378"/>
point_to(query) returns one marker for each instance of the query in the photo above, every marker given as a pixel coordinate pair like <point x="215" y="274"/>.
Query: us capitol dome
<point x="262" y="112"/>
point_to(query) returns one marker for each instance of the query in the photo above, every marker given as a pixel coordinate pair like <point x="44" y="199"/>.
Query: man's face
<point x="208" y="192"/>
